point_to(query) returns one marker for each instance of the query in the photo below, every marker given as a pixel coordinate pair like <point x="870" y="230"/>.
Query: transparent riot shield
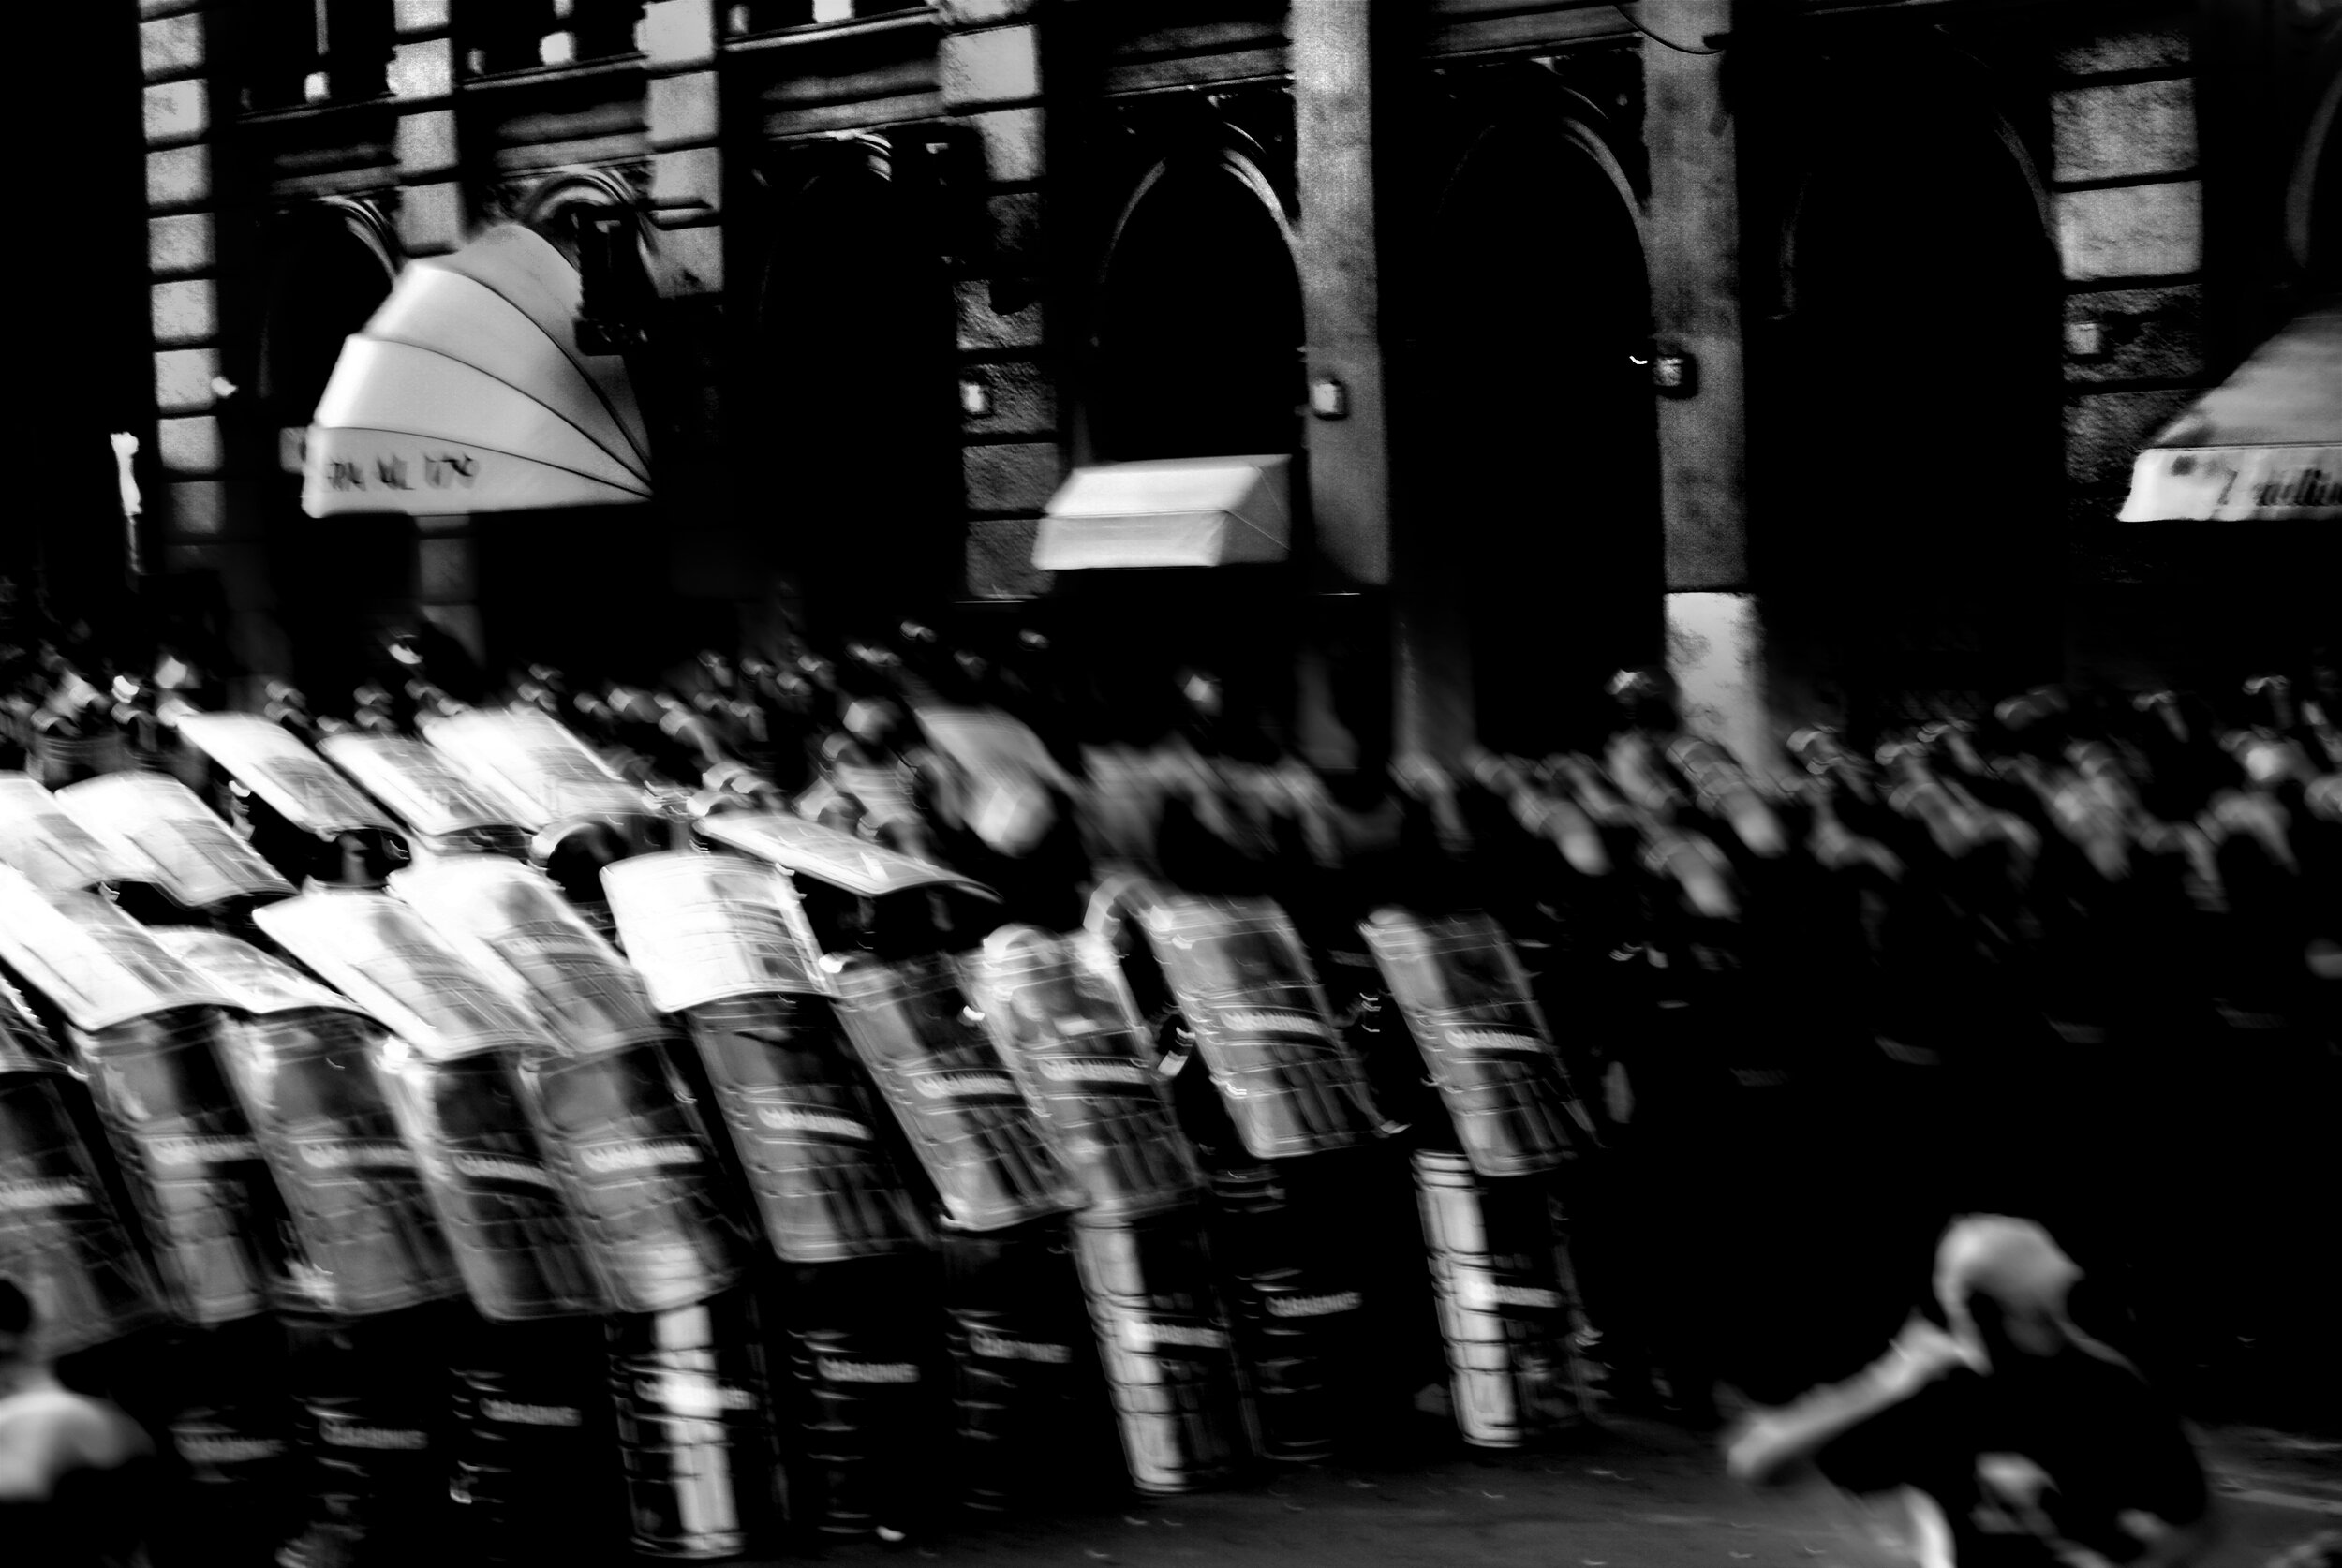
<point x="1289" y="1080"/>
<point x="303" y="1062"/>
<point x="980" y="1144"/>
<point x="444" y="808"/>
<point x="641" y="1167"/>
<point x="452" y="1064"/>
<point x="144" y="1028"/>
<point x="696" y="1429"/>
<point x="1465" y="1000"/>
<point x="61" y="1236"/>
<point x="305" y="818"/>
<point x="1065" y="1023"/>
<point x="1506" y="1306"/>
<point x="192" y="856"/>
<point x="41" y="841"/>
<point x="1178" y="1390"/>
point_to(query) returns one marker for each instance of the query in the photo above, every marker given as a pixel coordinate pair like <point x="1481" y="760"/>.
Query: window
<point x="768" y="15"/>
<point x="521" y="34"/>
<point x="302" y="52"/>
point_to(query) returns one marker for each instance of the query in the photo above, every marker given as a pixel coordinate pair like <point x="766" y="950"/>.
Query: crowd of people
<point x="2078" y="959"/>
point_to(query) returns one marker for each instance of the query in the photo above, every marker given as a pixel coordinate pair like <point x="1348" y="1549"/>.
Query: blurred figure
<point x="2026" y="1442"/>
<point x="77" y="1475"/>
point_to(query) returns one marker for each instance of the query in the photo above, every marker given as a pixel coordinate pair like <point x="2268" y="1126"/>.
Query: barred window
<point x="302" y="52"/>
<point x="521" y="34"/>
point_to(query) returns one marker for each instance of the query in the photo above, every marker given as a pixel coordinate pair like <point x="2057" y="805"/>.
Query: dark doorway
<point x="856" y="462"/>
<point x="1198" y="337"/>
<point x="1542" y="431"/>
<point x="343" y="585"/>
<point x="1911" y="550"/>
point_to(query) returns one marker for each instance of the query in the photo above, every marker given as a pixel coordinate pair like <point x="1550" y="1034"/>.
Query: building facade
<point x="1802" y="344"/>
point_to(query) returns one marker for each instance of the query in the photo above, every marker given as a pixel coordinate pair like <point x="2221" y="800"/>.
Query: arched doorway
<point x="1195" y="350"/>
<point x="855" y="435"/>
<point x="342" y="585"/>
<point x="1912" y="551"/>
<point x="1538" y="327"/>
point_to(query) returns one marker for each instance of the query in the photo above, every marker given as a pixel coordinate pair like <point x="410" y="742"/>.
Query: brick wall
<point x="2128" y="201"/>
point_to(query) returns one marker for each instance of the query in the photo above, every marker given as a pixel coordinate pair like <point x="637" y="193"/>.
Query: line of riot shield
<point x="1506" y="1306"/>
<point x="303" y="1059"/>
<point x="1178" y="1389"/>
<point x="640" y="1167"/>
<point x="452" y="1067"/>
<point x="1291" y="1083"/>
<point x="980" y="1144"/>
<point x="143" y="1026"/>
<point x="1066" y="1024"/>
<point x="1466" y="1001"/>
<point x="696" y="1429"/>
<point x="61" y="1236"/>
<point x="715" y="940"/>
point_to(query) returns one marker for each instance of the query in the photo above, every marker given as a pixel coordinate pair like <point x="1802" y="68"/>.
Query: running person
<point x="2029" y="1444"/>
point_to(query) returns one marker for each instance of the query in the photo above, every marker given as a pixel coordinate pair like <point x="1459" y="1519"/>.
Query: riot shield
<point x="60" y="1236"/>
<point x="194" y="858"/>
<point x="979" y="1142"/>
<point x="1066" y="1025"/>
<point x="640" y="1165"/>
<point x="451" y="1066"/>
<point x="1177" y="1388"/>
<point x="442" y="807"/>
<point x="307" y="818"/>
<point x="303" y="1059"/>
<point x="1290" y="1082"/>
<point x="1506" y="1305"/>
<point x="541" y="773"/>
<point x="717" y="943"/>
<point x="1465" y="998"/>
<point x="42" y="841"/>
<point x="696" y="1429"/>
<point x="143" y="1026"/>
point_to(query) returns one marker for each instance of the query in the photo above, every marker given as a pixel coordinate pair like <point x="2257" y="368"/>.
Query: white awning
<point x="1189" y="511"/>
<point x="2265" y="445"/>
<point x="467" y="392"/>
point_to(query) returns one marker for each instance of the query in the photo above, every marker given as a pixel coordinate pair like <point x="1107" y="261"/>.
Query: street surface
<point x="1632" y="1494"/>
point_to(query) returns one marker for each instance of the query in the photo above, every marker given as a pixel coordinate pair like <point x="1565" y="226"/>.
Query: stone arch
<point x="1533" y="298"/>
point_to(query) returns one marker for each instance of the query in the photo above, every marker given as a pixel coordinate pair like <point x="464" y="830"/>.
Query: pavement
<point x="1628" y="1493"/>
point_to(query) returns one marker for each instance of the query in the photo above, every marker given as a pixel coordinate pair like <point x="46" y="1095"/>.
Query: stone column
<point x="432" y="222"/>
<point x="200" y="522"/>
<point x="1714" y="634"/>
<point x="1348" y="439"/>
<point x="1012" y="451"/>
